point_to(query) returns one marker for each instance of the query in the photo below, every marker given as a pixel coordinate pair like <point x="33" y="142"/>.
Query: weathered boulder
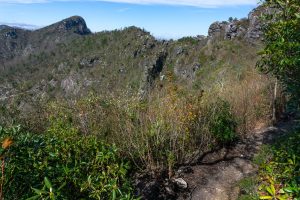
<point x="217" y="29"/>
<point x="70" y="85"/>
<point x="179" y="50"/>
<point x="254" y="31"/>
<point x="231" y="31"/>
<point x="187" y="71"/>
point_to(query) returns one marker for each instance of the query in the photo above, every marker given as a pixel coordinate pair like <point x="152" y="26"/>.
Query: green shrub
<point x="222" y="122"/>
<point x="263" y="156"/>
<point x="280" y="176"/>
<point x="279" y="171"/>
<point x="248" y="187"/>
<point x="189" y="40"/>
<point x="79" y="167"/>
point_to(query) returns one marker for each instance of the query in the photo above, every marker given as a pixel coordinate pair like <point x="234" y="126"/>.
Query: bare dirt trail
<point x="216" y="174"/>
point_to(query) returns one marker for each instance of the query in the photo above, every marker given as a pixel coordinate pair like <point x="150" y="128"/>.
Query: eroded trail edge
<point x="216" y="175"/>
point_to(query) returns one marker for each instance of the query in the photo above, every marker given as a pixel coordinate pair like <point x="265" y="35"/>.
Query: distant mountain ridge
<point x="16" y="42"/>
<point x="20" y="25"/>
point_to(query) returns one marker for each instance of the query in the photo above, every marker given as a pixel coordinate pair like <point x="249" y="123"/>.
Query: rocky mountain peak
<point x="75" y="23"/>
<point x="18" y="42"/>
<point x="245" y="28"/>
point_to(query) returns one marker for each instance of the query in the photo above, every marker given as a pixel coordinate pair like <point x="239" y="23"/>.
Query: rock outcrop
<point x="246" y="28"/>
<point x="217" y="30"/>
<point x="152" y="69"/>
<point x="75" y="24"/>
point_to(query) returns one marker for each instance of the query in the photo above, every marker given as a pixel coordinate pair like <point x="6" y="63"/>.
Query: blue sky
<point x="163" y="18"/>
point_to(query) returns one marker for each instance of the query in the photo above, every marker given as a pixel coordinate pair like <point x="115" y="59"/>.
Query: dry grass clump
<point x="251" y="100"/>
<point x="232" y="76"/>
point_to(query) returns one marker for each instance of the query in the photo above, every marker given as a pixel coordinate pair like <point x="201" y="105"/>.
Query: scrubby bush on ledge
<point x="62" y="164"/>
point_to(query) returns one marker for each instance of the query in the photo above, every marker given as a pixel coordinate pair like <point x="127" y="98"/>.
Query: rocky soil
<point x="215" y="175"/>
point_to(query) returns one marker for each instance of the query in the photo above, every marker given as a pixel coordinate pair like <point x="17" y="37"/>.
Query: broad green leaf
<point x="260" y="187"/>
<point x="114" y="195"/>
<point x="288" y="190"/>
<point x="273" y="189"/>
<point x="282" y="197"/>
<point x="265" y="197"/>
<point x="270" y="190"/>
<point x="39" y="192"/>
<point x="290" y="161"/>
<point x="47" y="183"/>
<point x="52" y="196"/>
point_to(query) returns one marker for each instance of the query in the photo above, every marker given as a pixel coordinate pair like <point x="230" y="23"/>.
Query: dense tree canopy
<point x="281" y="55"/>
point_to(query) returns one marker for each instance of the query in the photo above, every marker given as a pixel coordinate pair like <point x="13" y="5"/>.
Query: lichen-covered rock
<point x="217" y="29"/>
<point x="254" y="31"/>
<point x="179" y="50"/>
<point x="70" y="85"/>
<point x="249" y="28"/>
<point x="231" y="31"/>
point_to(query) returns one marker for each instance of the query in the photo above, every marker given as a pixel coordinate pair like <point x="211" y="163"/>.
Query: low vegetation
<point x="76" y="145"/>
<point x="279" y="174"/>
<point x="61" y="164"/>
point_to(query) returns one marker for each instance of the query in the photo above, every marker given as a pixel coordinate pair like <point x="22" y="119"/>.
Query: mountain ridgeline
<point x="67" y="61"/>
